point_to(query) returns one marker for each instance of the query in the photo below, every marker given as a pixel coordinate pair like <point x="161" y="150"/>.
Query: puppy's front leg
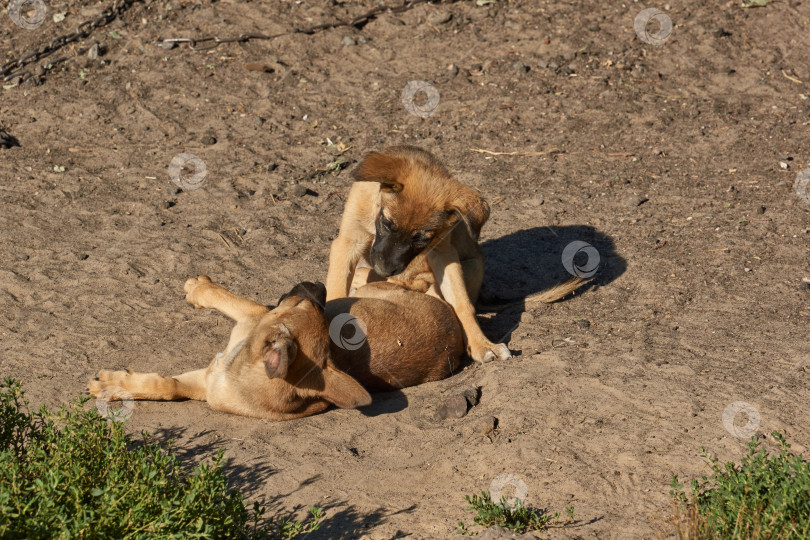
<point x="203" y="294"/>
<point x="449" y="276"/>
<point x="344" y="255"/>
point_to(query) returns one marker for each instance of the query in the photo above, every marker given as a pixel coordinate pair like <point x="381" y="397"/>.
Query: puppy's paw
<point x="193" y="287"/>
<point x="111" y="385"/>
<point x="487" y="352"/>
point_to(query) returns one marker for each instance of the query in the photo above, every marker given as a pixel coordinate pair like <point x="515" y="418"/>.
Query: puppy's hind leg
<point x="116" y="385"/>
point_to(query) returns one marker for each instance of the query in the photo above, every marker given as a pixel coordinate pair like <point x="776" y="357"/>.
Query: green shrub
<point x="766" y="497"/>
<point x="73" y="474"/>
<point x="517" y="518"/>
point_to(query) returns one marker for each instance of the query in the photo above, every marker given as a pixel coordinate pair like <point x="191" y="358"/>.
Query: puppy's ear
<point x="277" y="354"/>
<point x="343" y="390"/>
<point x="377" y="167"/>
<point x="472" y="210"/>
<point x="306" y="290"/>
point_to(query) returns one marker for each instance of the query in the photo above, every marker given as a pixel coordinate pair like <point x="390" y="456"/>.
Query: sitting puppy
<point x="297" y="359"/>
<point x="418" y="227"/>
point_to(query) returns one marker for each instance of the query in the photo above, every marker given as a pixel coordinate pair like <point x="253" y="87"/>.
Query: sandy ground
<point x="677" y="162"/>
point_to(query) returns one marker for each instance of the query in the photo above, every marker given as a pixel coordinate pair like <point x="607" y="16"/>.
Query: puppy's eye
<point x="421" y="239"/>
<point x="386" y="224"/>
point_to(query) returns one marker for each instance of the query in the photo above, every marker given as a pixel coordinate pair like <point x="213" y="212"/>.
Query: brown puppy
<point x="409" y="218"/>
<point x="282" y="364"/>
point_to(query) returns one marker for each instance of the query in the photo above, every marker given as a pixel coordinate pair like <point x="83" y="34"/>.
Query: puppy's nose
<point x="382" y="271"/>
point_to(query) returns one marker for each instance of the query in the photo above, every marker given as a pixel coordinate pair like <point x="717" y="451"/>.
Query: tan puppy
<point x="283" y="363"/>
<point x="410" y="219"/>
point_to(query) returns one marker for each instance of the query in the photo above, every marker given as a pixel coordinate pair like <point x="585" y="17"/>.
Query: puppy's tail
<point x="558" y="292"/>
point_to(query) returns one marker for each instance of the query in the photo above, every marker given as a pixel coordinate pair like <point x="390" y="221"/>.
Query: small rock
<point x="583" y="323"/>
<point x="481" y="427"/>
<point x="472" y="395"/>
<point x="82" y="256"/>
<point x="21" y="256"/>
<point x="362" y="39"/>
<point x="258" y="121"/>
<point x="783" y="165"/>
<point x="452" y="69"/>
<point x="301" y="190"/>
<point x="636" y="200"/>
<point x="258" y="66"/>
<point x="32" y="82"/>
<point x="657" y="151"/>
<point x="93" y="52"/>
<point x="347" y="41"/>
<point x="519" y="66"/>
<point x="721" y="32"/>
<point x="761" y="210"/>
<point x="804" y="286"/>
<point x="453" y="407"/>
<point x="168" y="204"/>
<point x="168" y="45"/>
<point x="208" y="140"/>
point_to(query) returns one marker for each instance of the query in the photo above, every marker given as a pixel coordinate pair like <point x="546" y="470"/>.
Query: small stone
<point x="583" y="323"/>
<point x="208" y="140"/>
<point x="485" y="425"/>
<point x="261" y="68"/>
<point x="347" y="41"/>
<point x="636" y="201"/>
<point x="93" y="52"/>
<point x="300" y="190"/>
<point x="439" y="17"/>
<point x="168" y="45"/>
<point x="82" y="256"/>
<point x="657" y="151"/>
<point x="21" y="256"/>
<point x="453" y="407"/>
<point x="761" y="210"/>
<point x="783" y="165"/>
<point x="452" y="69"/>
<point x="362" y="39"/>
<point x="721" y="32"/>
<point x="472" y="395"/>
<point x="519" y="66"/>
<point x="32" y="82"/>
<point x="168" y="204"/>
<point x="258" y="121"/>
<point x="804" y="286"/>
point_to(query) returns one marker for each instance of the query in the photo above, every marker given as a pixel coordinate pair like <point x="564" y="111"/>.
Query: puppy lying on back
<point x="297" y="359"/>
<point x="418" y="227"/>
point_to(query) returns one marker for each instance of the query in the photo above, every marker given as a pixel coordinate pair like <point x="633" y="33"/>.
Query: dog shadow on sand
<point x="530" y="261"/>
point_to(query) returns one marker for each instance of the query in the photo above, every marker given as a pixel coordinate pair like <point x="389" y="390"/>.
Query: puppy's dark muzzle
<point x="385" y="271"/>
